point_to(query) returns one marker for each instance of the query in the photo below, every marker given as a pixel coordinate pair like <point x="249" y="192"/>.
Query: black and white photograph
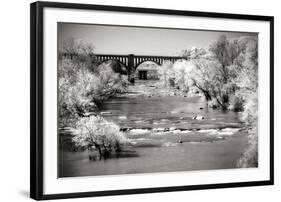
<point x="140" y="101"/>
<point x="135" y="100"/>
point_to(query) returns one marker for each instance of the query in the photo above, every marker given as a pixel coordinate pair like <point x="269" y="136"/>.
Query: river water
<point x="165" y="138"/>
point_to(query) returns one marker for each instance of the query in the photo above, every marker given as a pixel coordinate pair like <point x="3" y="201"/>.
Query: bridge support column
<point x="131" y="71"/>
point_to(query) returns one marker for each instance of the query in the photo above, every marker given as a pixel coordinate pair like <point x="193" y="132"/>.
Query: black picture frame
<point x="36" y="98"/>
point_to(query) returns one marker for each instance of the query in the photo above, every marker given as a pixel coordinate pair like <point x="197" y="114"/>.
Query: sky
<point x="108" y="39"/>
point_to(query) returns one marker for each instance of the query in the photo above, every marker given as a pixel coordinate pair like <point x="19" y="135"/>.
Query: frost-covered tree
<point x="166" y="73"/>
<point x="247" y="81"/>
<point x="73" y="47"/>
<point x="82" y="91"/>
<point x="96" y="133"/>
<point x="193" y="53"/>
<point x="182" y="74"/>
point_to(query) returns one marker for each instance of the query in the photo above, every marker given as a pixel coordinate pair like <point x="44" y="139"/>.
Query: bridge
<point x="131" y="62"/>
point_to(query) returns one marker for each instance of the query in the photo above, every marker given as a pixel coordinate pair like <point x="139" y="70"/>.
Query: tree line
<point x="226" y="74"/>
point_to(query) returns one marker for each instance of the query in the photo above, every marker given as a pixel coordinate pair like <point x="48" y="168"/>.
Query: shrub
<point x="109" y="83"/>
<point x="236" y="103"/>
<point x="250" y="117"/>
<point x="95" y="132"/>
<point x="250" y="113"/>
<point x="249" y="158"/>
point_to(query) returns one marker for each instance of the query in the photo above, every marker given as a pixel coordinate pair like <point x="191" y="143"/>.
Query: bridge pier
<point x="131" y="77"/>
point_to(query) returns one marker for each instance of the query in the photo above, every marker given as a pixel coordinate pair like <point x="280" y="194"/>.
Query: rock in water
<point x="198" y="117"/>
<point x="105" y="113"/>
<point x="87" y="114"/>
<point x="172" y="128"/>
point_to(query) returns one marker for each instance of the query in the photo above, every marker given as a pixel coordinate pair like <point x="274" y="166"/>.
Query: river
<point x="165" y="137"/>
